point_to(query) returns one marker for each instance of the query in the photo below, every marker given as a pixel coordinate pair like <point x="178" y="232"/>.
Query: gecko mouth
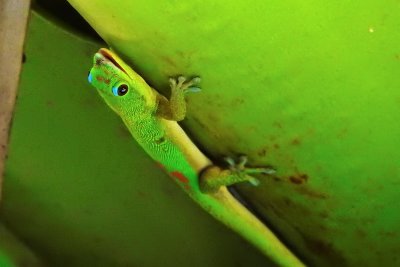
<point x="107" y="55"/>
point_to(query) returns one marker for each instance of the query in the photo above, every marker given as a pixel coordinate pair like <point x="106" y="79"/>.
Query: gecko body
<point x="152" y="120"/>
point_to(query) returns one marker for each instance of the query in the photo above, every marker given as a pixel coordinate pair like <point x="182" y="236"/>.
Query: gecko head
<point x="116" y="82"/>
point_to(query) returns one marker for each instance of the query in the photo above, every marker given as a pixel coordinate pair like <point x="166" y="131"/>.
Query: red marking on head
<point x="180" y="177"/>
<point x="99" y="78"/>
<point x="102" y="79"/>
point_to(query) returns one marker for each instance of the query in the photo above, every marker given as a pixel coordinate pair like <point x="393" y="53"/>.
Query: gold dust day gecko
<point x="152" y="120"/>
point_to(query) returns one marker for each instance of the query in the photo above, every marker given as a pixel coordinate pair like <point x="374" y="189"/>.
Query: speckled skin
<point x="151" y="119"/>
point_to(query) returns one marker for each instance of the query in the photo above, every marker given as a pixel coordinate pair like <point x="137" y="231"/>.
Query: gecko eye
<point x="120" y="90"/>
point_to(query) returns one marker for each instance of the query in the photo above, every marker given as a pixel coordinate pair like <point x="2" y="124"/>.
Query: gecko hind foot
<point x="213" y="177"/>
<point x="187" y="86"/>
<point x="241" y="170"/>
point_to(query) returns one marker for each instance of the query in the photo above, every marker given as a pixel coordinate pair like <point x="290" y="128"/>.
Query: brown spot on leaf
<point x="324" y="214"/>
<point x="142" y="194"/>
<point x="277" y="124"/>
<point x="288" y="202"/>
<point x="262" y="152"/>
<point x="168" y="61"/>
<point x="342" y="133"/>
<point x="50" y="103"/>
<point x="296" y="141"/>
<point x="311" y="193"/>
<point x="298" y="178"/>
<point x="276" y="178"/>
<point x="237" y="102"/>
<point x="272" y="138"/>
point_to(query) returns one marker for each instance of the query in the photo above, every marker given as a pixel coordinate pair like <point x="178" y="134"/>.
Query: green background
<point x="311" y="88"/>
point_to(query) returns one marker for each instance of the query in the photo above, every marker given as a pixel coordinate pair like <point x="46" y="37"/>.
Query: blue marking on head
<point x="115" y="90"/>
<point x="89" y="77"/>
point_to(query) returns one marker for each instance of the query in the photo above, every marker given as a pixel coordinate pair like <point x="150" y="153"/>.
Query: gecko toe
<point x="181" y="79"/>
<point x="172" y="82"/>
<point x="230" y="161"/>
<point x="196" y="80"/>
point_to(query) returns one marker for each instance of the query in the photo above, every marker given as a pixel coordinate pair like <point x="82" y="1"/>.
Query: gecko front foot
<point x="175" y="108"/>
<point x="214" y="177"/>
<point x="183" y="84"/>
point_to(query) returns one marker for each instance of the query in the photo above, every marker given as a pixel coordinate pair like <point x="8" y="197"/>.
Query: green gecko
<point x="152" y="120"/>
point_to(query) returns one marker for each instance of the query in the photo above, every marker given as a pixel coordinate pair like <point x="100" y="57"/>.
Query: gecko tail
<point x="227" y="209"/>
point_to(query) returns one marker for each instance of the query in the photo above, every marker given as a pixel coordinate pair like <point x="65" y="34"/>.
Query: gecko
<point x="152" y="121"/>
